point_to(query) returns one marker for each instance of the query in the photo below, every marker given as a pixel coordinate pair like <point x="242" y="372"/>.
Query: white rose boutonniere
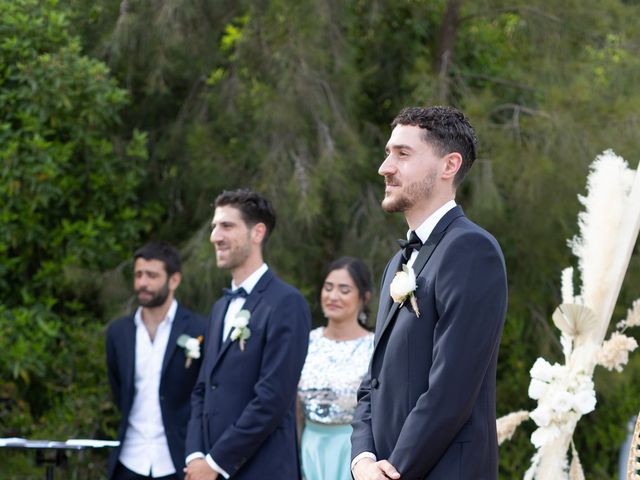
<point x="191" y="347"/>
<point x="403" y="287"/>
<point x="240" y="325"/>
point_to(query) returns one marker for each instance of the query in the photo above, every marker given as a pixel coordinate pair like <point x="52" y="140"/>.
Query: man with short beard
<point x="426" y="408"/>
<point x="243" y="423"/>
<point x="152" y="370"/>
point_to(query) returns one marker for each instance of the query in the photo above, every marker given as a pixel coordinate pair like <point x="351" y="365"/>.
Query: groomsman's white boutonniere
<point x="191" y="347"/>
<point x="403" y="287"/>
<point x="240" y="326"/>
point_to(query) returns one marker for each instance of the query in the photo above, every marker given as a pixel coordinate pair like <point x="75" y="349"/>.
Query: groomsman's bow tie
<point x="233" y="294"/>
<point x="414" y="243"/>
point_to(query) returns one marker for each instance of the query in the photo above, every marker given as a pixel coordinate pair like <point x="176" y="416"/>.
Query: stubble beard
<point x="411" y="195"/>
<point x="236" y="257"/>
<point x="157" y="298"/>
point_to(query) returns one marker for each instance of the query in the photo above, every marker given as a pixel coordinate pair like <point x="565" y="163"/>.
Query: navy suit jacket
<point x="176" y="382"/>
<point x="243" y="406"/>
<point x="427" y="403"/>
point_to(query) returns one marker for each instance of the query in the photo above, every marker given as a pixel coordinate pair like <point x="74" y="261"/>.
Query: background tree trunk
<point x="445" y="46"/>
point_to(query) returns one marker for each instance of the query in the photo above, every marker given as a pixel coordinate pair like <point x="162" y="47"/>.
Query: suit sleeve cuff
<point x="193" y="456"/>
<point x="362" y="455"/>
<point x="215" y="466"/>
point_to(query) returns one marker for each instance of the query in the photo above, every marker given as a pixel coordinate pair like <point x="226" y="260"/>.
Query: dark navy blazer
<point x="243" y="406"/>
<point x="176" y="383"/>
<point x="427" y="403"/>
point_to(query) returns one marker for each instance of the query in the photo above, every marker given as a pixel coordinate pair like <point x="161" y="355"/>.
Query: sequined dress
<point x="327" y="391"/>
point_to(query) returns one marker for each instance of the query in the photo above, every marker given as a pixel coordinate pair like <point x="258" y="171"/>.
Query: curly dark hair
<point x="447" y="130"/>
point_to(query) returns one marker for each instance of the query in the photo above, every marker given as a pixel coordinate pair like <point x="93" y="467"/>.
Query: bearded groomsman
<point x="243" y="407"/>
<point x="153" y="358"/>
<point x="426" y="409"/>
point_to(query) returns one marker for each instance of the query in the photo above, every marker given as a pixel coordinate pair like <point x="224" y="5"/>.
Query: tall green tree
<point x="68" y="184"/>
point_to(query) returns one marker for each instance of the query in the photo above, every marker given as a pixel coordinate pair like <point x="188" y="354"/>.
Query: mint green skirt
<point x="326" y="452"/>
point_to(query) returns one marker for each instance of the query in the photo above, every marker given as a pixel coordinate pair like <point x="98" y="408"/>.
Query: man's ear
<point x="452" y="163"/>
<point x="258" y="232"/>
<point x="174" y="281"/>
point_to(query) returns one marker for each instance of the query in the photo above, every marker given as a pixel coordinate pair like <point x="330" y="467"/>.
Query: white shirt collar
<point x="171" y="314"/>
<point x="252" y="280"/>
<point x="425" y="229"/>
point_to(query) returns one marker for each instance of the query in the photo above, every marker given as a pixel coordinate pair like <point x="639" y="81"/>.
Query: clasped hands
<point x="368" y="469"/>
<point x="199" y="469"/>
<point x="365" y="469"/>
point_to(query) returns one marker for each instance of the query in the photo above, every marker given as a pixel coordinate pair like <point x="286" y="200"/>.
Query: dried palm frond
<point x="574" y="320"/>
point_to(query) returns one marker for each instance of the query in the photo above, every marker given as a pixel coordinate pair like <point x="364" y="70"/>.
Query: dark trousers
<point x="123" y="473"/>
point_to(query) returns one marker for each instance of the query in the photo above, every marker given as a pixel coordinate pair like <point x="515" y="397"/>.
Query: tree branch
<point x="500" y="81"/>
<point x="514" y="9"/>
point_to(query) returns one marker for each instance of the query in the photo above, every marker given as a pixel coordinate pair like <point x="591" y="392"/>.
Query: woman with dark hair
<point x="338" y="358"/>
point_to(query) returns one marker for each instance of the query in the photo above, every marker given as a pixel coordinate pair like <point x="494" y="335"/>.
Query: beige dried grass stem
<point x="507" y="425"/>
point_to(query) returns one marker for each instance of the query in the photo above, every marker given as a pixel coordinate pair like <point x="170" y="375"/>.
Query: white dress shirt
<point x="232" y="310"/>
<point x="145" y="449"/>
<point x="423" y="232"/>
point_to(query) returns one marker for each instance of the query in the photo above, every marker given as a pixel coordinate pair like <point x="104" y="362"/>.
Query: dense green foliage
<point x="292" y="98"/>
<point x="68" y="188"/>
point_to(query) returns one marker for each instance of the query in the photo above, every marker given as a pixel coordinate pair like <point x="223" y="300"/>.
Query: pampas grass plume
<point x="575" y="470"/>
<point x="567" y="286"/>
<point x="508" y="424"/>
<point x="608" y="185"/>
<point x="633" y="315"/>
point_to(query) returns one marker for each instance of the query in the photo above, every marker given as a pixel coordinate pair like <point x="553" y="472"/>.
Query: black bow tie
<point x="233" y="294"/>
<point x="414" y="243"/>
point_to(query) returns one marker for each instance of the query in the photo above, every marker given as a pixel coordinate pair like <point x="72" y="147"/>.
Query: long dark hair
<point x="361" y="276"/>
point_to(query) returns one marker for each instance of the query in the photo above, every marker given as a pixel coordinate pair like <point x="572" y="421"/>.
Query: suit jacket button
<point x="375" y="383"/>
<point x="213" y="387"/>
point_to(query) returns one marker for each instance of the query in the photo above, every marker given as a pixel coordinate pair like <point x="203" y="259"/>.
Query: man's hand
<point x="367" y="469"/>
<point x="199" y="469"/>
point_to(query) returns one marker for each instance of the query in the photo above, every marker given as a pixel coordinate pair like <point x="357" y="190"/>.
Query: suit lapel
<point x="421" y="260"/>
<point x="217" y="324"/>
<point x="250" y="304"/>
<point x="387" y="320"/>
<point x="178" y="328"/>
<point x="387" y="304"/>
<point x="435" y="237"/>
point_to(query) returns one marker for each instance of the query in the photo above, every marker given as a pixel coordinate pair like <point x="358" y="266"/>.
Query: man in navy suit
<point x="426" y="408"/>
<point x="151" y="376"/>
<point x="243" y="407"/>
